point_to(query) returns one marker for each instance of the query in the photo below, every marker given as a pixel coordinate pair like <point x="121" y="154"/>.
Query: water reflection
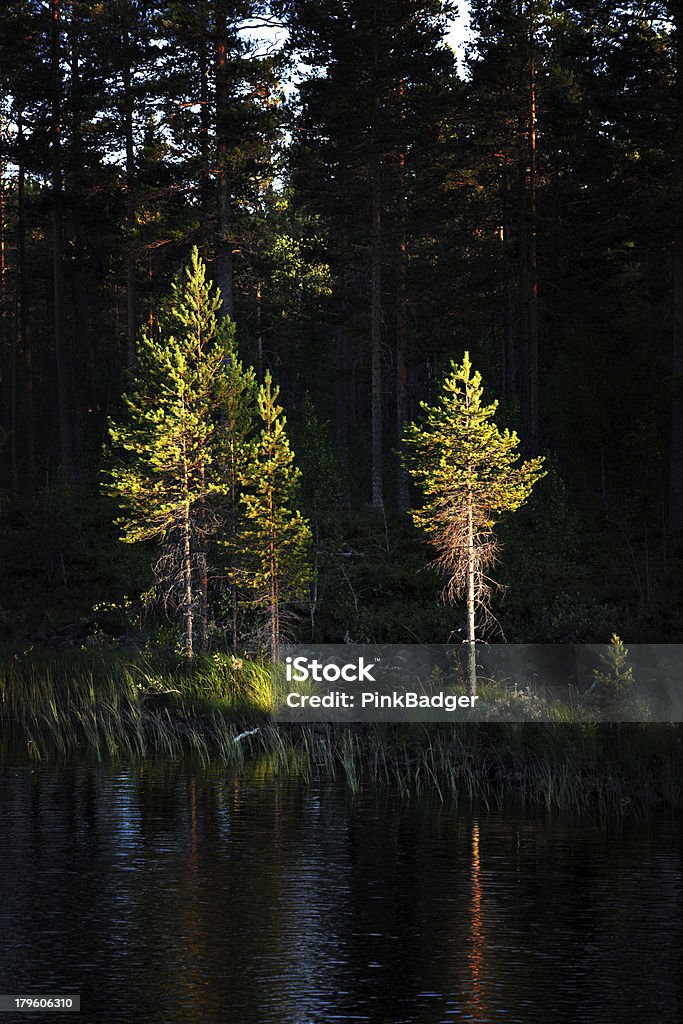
<point x="476" y="1003"/>
<point x="163" y="894"/>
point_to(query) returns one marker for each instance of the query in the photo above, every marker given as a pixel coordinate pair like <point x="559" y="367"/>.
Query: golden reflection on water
<point x="192" y="982"/>
<point x="477" y="995"/>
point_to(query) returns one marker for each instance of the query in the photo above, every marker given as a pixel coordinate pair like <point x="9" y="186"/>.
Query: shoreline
<point x="127" y="706"/>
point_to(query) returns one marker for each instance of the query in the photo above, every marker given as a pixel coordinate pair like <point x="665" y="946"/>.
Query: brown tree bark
<point x="402" y="340"/>
<point x="341" y="386"/>
<point x="82" y="386"/>
<point x="187" y="579"/>
<point x="376" y="342"/>
<point x="4" y="332"/>
<point x="471" y="599"/>
<point x="342" y="359"/>
<point x="676" y="466"/>
<point x="128" y="102"/>
<point x="223" y="267"/>
<point x="61" y="355"/>
<point x="186" y="532"/>
<point x="23" y="338"/>
<point x="532" y="357"/>
<point x="510" y="358"/>
<point x="528" y="261"/>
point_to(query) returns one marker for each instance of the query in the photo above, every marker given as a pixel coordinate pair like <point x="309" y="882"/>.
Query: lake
<point x="167" y="893"/>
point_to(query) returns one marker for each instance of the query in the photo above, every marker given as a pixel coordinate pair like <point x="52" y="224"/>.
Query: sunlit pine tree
<point x="467" y="471"/>
<point x="169" y="448"/>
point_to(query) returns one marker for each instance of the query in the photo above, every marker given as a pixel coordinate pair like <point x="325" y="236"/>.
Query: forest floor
<point x="115" y="705"/>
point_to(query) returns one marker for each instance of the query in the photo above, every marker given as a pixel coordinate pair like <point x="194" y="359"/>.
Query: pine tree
<point x="169" y="474"/>
<point x="276" y="536"/>
<point x="465" y="467"/>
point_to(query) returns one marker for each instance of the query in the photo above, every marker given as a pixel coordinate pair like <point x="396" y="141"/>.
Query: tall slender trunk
<point x="402" y="487"/>
<point x="471" y="590"/>
<point x="203" y="587"/>
<point x="131" y="322"/>
<point x="342" y="358"/>
<point x="341" y="386"/>
<point x="201" y="556"/>
<point x="523" y="302"/>
<point x="23" y="339"/>
<point x="186" y="527"/>
<point x="14" y="344"/>
<point x="187" y="579"/>
<point x="61" y="356"/>
<point x="509" y="352"/>
<point x="83" y="383"/>
<point x="376" y="286"/>
<point x="528" y="269"/>
<point x="81" y="350"/>
<point x="376" y="342"/>
<point x="259" y="332"/>
<point x="233" y="530"/>
<point x="206" y="190"/>
<point x="201" y="561"/>
<point x="676" y="469"/>
<point x="274" y="594"/>
<point x="223" y="269"/>
<point x="532" y="358"/>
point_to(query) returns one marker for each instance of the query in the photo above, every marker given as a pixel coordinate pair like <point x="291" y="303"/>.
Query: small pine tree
<point x="169" y="450"/>
<point x="465" y="467"/>
<point x="275" y="536"/>
<point x="613" y="680"/>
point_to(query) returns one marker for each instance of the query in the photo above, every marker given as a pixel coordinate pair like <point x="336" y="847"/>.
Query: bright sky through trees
<point x="457" y="36"/>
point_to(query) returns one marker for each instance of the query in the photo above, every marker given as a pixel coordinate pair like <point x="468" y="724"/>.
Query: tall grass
<point x="131" y="705"/>
<point x="128" y="705"/>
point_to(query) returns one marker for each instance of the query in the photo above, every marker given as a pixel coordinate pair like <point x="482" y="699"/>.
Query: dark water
<point x="165" y="894"/>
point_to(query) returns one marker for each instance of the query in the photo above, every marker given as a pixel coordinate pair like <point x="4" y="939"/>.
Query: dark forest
<point x="370" y="206"/>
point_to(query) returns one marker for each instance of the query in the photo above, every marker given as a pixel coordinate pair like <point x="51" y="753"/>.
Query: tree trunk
<point x="61" y="357"/>
<point x="83" y="380"/>
<point x="223" y="268"/>
<point x="532" y="357"/>
<point x="676" y="472"/>
<point x="23" y="339"/>
<point x="274" y="596"/>
<point x="187" y="580"/>
<point x="131" y="323"/>
<point x="188" y="595"/>
<point x="376" y="343"/>
<point x="341" y="397"/>
<point x="342" y="359"/>
<point x="203" y="574"/>
<point x="402" y="488"/>
<point x="14" y="344"/>
<point x="509" y="353"/>
<point x="676" y="469"/>
<point x="471" y="633"/>
<point x="231" y="472"/>
<point x="528" y="270"/>
<point x="259" y="333"/>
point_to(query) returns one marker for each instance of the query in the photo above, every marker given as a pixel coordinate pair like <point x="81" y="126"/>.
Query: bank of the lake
<point x="114" y="705"/>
